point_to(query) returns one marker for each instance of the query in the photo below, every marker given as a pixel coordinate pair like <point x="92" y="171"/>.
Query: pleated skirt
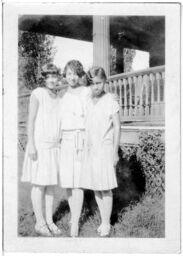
<point x="98" y="172"/>
<point x="71" y="158"/>
<point x="45" y="170"/>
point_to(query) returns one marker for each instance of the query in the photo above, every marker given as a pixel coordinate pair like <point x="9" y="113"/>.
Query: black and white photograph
<point x="92" y="107"/>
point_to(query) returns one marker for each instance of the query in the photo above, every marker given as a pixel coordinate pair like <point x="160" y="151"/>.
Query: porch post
<point x="101" y="42"/>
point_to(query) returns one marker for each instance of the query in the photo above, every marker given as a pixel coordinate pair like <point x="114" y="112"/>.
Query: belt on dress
<point x="49" y="144"/>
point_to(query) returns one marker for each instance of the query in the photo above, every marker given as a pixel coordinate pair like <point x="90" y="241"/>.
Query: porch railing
<point x="141" y="94"/>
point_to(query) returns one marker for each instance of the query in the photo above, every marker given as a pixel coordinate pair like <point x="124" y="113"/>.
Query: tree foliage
<point x="129" y="55"/>
<point x="35" y="50"/>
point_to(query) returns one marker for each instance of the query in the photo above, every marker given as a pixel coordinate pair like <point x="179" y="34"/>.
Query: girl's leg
<point x="37" y="194"/>
<point x="104" y="200"/>
<point x="77" y="203"/>
<point x="69" y="197"/>
<point x="49" y="197"/>
<point x="99" y="200"/>
<point x="107" y="200"/>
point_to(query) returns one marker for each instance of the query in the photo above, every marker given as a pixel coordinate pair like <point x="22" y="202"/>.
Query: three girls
<point x="86" y="120"/>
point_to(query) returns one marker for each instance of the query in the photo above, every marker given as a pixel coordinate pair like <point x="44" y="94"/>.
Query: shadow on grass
<point x="61" y="210"/>
<point x="131" y="186"/>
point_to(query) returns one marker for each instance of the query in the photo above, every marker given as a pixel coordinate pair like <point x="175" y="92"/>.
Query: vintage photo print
<point x="91" y="127"/>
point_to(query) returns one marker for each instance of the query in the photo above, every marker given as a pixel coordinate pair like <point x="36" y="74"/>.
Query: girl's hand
<point x="32" y="152"/>
<point x="116" y="159"/>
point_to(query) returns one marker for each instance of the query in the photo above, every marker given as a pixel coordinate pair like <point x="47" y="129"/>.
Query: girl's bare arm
<point x="33" y="108"/>
<point x="116" y="124"/>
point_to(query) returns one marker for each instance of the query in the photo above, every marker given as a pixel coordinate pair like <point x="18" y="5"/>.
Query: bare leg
<point x="99" y="200"/>
<point x="49" y="197"/>
<point x="107" y="200"/>
<point x="69" y="196"/>
<point x="77" y="203"/>
<point x="107" y="204"/>
<point x="37" y="194"/>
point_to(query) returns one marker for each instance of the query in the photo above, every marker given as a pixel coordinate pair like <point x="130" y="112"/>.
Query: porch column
<point x="101" y="42"/>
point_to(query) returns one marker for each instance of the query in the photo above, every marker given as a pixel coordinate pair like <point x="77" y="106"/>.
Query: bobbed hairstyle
<point x="76" y="66"/>
<point x="95" y="72"/>
<point x="50" y="68"/>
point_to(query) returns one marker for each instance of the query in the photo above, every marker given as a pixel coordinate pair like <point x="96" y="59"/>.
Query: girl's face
<point x="72" y="78"/>
<point x="97" y="86"/>
<point x="51" y="81"/>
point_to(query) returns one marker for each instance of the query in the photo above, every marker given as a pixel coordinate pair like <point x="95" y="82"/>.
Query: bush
<point x="150" y="153"/>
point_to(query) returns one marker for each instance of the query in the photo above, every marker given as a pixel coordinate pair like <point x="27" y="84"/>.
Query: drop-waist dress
<point x="98" y="172"/>
<point x="72" y="138"/>
<point x="45" y="170"/>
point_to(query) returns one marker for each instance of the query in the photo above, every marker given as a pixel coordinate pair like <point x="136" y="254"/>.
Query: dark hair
<point x="76" y="66"/>
<point x="95" y="71"/>
<point x="50" y="68"/>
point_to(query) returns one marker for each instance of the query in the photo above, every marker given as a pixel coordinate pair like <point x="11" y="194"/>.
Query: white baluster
<point x="158" y="77"/>
<point x="130" y="96"/>
<point x="136" y="95"/>
<point x="140" y="85"/>
<point x="115" y="86"/>
<point x="146" y="84"/>
<point x="120" y="96"/>
<point x="152" y="79"/>
<point x="163" y="96"/>
<point x="125" y="97"/>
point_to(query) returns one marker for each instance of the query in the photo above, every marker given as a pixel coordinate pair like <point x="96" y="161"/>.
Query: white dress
<point x="45" y="170"/>
<point x="72" y="111"/>
<point x="98" y="172"/>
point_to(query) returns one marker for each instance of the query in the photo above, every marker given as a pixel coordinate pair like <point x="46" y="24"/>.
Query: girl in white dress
<point x="41" y="166"/>
<point x="72" y="117"/>
<point x="101" y="146"/>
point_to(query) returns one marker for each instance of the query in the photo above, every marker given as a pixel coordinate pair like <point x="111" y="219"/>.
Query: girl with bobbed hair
<point x="72" y="111"/>
<point x="102" y="130"/>
<point x="96" y="72"/>
<point x="76" y="66"/>
<point x="41" y="160"/>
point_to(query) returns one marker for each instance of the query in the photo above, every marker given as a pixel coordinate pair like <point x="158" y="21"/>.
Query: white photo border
<point x="171" y="242"/>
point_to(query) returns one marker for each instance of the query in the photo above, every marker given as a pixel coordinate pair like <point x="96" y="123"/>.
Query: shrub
<point x="150" y="153"/>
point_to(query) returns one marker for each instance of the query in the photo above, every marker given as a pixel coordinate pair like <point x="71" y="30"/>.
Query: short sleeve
<point x="38" y="92"/>
<point x="114" y="106"/>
